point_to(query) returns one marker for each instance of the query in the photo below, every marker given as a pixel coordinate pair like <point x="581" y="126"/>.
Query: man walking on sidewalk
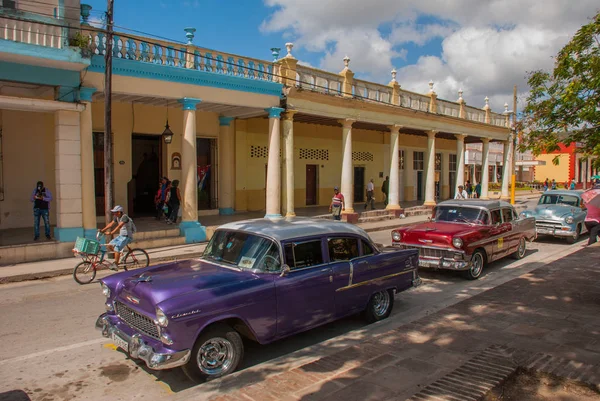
<point x="385" y="188"/>
<point x="41" y="198"/>
<point x="370" y="193"/>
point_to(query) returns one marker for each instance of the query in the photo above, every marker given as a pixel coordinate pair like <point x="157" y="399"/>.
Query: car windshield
<point x="246" y="251"/>
<point x="452" y="214"/>
<point x="555" y="199"/>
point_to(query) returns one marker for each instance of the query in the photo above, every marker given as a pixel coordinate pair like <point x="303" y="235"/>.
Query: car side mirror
<point x="285" y="270"/>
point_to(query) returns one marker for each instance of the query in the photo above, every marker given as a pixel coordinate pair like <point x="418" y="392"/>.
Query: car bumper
<point x="137" y="347"/>
<point x="444" y="263"/>
<point x="555" y="232"/>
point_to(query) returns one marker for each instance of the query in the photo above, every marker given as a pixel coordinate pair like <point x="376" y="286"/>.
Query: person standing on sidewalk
<point x="370" y="193"/>
<point x="174" y="202"/>
<point x="338" y="205"/>
<point x="161" y="196"/>
<point x="385" y="188"/>
<point x="41" y="198"/>
<point x="461" y="193"/>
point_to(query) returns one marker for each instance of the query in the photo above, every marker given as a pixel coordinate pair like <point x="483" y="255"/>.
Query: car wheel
<point x="380" y="306"/>
<point x="217" y="352"/>
<point x="575" y="237"/>
<point x="477" y="265"/>
<point x="521" y="250"/>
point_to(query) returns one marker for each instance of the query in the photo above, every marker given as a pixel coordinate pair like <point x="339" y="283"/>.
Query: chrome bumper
<point x="137" y="348"/>
<point x="554" y="232"/>
<point x="444" y="263"/>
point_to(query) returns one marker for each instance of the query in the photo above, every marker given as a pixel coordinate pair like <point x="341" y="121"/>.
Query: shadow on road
<point x="14" y="395"/>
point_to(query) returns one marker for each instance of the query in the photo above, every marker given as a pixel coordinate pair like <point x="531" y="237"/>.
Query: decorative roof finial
<point x="346" y="61"/>
<point x="506" y="108"/>
<point x="431" y="86"/>
<point x="275" y="53"/>
<point x="189" y="34"/>
<point x="394" y="72"/>
<point x="487" y="101"/>
<point x="460" y="93"/>
<point x="289" y="46"/>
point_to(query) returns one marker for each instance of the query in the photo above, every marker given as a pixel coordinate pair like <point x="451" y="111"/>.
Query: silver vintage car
<point x="559" y="213"/>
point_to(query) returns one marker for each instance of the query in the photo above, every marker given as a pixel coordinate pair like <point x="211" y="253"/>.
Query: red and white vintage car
<point x="465" y="235"/>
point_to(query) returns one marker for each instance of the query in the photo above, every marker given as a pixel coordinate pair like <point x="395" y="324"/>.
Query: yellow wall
<point x="558" y="172"/>
<point x="28" y="151"/>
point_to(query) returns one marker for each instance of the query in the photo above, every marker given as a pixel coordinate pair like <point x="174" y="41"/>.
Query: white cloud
<point x="488" y="46"/>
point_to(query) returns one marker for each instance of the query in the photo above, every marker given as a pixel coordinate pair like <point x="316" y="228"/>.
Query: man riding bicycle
<point x="124" y="226"/>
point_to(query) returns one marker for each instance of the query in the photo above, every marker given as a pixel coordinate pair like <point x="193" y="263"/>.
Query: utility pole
<point x="108" y="159"/>
<point x="514" y="155"/>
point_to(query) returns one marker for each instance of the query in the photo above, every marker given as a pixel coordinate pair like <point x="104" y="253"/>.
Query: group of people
<point x="570" y="184"/>
<point x="468" y="191"/>
<point x="168" y="200"/>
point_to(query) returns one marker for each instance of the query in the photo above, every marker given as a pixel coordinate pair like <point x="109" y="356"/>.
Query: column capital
<point x="485" y="140"/>
<point x="225" y="121"/>
<point x="189" y="103"/>
<point x="347" y="122"/>
<point x="85" y="94"/>
<point x="288" y="115"/>
<point x="395" y="128"/>
<point x="460" y="137"/>
<point x="432" y="133"/>
<point x="274" y="112"/>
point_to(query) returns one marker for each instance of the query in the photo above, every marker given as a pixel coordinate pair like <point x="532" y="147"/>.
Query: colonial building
<point x="570" y="164"/>
<point x="248" y="134"/>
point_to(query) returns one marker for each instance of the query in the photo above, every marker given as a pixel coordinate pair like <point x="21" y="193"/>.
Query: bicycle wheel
<point x="136" y="259"/>
<point x="84" y="273"/>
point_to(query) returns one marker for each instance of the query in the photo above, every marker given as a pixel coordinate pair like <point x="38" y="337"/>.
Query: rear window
<point x="342" y="249"/>
<point x="507" y="214"/>
<point x="299" y="255"/>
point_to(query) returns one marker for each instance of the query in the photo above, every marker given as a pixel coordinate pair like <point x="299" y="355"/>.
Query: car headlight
<point x="105" y="290"/>
<point x="523" y="215"/>
<point x="569" y="219"/>
<point x="396" y="236"/>
<point x="161" y="318"/>
<point x="457" y="242"/>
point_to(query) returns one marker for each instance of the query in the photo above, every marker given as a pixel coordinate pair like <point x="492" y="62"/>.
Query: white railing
<point x="318" y="80"/>
<point x="33" y="33"/>
<point x="184" y="56"/>
<point x="475" y="114"/>
<point x="415" y="101"/>
<point x="448" y="108"/>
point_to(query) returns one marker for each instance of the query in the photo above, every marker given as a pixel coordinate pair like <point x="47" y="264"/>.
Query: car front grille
<point x="550" y="225"/>
<point x="136" y="320"/>
<point x="430" y="252"/>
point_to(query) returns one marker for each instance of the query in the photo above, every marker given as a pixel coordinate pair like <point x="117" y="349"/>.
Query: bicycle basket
<point x="89" y="246"/>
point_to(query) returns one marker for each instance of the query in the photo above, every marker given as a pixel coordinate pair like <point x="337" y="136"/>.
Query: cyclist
<point x="124" y="226"/>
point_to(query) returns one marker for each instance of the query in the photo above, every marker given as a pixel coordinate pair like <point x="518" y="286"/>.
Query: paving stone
<point x="318" y="392"/>
<point x="362" y="391"/>
<point x="526" y="330"/>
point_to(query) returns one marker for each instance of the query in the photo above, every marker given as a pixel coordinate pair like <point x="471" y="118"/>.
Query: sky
<point x="483" y="47"/>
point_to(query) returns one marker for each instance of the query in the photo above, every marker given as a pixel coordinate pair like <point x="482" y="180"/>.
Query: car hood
<point x="436" y="233"/>
<point x="553" y="211"/>
<point x="149" y="288"/>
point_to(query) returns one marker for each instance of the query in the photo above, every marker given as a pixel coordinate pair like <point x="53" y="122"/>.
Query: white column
<point x="460" y="161"/>
<point x="67" y="198"/>
<point x="430" y="160"/>
<point x="507" y="168"/>
<point x="495" y="172"/>
<point x="347" y="185"/>
<point x="274" y="165"/>
<point x="485" y="168"/>
<point x="288" y="154"/>
<point x="226" y="167"/>
<point x="394" y="184"/>
<point x="88" y="192"/>
<point x="190" y="227"/>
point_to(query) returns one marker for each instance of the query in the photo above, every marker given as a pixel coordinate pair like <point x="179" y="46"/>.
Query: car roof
<point x="488" y="204"/>
<point x="294" y="227"/>
<point x="576" y="192"/>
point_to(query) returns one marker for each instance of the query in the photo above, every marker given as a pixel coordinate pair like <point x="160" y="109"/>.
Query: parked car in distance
<point x="260" y="279"/>
<point x="465" y="235"/>
<point x="559" y="213"/>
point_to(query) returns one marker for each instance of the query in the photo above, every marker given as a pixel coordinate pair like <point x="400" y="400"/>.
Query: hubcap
<point x="381" y="303"/>
<point x="522" y="247"/>
<point x="477" y="265"/>
<point x="215" y="356"/>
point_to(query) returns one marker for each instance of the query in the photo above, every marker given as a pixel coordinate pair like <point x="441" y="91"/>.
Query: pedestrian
<point x="125" y="227"/>
<point x="478" y="190"/>
<point x="546" y="185"/>
<point x="174" y="201"/>
<point x="573" y="183"/>
<point x="385" y="188"/>
<point x="461" y="193"/>
<point x="592" y="223"/>
<point x="41" y="198"/>
<point x="553" y="184"/>
<point x="468" y="188"/>
<point x="370" y="197"/>
<point x="338" y="205"/>
<point x="161" y="196"/>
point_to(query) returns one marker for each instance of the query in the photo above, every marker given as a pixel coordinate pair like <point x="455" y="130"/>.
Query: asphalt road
<point x="50" y="350"/>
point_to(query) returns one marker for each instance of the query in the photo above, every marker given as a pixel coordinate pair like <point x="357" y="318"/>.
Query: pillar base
<point x="429" y="203"/>
<point x="485" y="198"/>
<point x="226" y="211"/>
<point x="68" y="234"/>
<point x="273" y="216"/>
<point x="393" y="207"/>
<point x="90" y="233"/>
<point x="193" y="231"/>
<point x="292" y="214"/>
<point x="505" y="198"/>
<point x="351" y="218"/>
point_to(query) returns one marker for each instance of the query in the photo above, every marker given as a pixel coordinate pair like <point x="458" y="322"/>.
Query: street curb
<point x="65" y="272"/>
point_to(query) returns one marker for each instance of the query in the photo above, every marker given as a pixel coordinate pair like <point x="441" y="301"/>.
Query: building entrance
<point x="146" y="173"/>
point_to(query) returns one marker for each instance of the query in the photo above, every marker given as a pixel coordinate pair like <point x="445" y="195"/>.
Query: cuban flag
<point x="203" y="174"/>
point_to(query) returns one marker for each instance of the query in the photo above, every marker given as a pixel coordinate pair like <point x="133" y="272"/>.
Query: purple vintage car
<point x="260" y="279"/>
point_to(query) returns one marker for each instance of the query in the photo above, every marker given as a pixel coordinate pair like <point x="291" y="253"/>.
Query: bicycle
<point x="85" y="271"/>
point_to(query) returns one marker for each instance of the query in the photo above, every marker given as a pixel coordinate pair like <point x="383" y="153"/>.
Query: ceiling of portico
<point x="221" y="109"/>
<point x="19" y="89"/>
<point x="320" y="120"/>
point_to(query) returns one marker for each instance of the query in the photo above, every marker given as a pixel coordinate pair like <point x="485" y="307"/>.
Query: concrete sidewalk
<point x="545" y="321"/>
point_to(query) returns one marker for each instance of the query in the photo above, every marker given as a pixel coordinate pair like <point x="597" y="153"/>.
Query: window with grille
<point x="438" y="162"/>
<point x="401" y="159"/>
<point x="419" y="161"/>
<point x="362" y="156"/>
<point x="259" y="151"/>
<point x="452" y="162"/>
<point x="314" y="154"/>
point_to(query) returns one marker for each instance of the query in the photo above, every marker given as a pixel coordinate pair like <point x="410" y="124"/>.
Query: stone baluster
<point x="287" y="67"/>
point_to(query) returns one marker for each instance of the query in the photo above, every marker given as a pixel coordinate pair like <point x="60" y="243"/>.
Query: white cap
<point x="117" y="209"/>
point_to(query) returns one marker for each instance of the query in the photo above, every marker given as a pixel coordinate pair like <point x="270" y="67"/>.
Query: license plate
<point x="545" y="231"/>
<point x="119" y="342"/>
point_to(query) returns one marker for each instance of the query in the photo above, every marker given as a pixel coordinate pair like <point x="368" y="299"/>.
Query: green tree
<point x="564" y="106"/>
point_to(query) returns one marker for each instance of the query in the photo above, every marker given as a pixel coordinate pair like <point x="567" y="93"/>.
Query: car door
<point x="304" y="294"/>
<point x="511" y="239"/>
<point x="344" y="259"/>
<point x="497" y="235"/>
